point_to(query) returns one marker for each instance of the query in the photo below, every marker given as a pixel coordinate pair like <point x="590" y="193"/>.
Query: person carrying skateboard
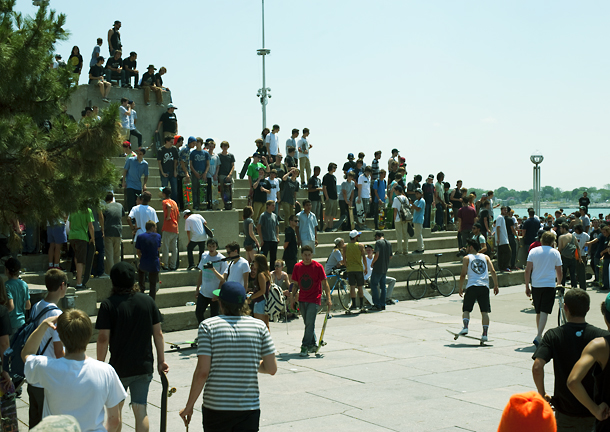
<point x="308" y="277"/>
<point x="233" y="349"/>
<point x="355" y="263"/>
<point x="127" y="320"/>
<point x="477" y="266"/>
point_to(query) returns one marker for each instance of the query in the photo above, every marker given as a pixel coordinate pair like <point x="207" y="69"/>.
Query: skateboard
<point x="339" y="224"/>
<point x="351" y="217"/>
<point x="91" y="252"/>
<point x="321" y="342"/>
<point x="244" y="169"/>
<point x="227" y="194"/>
<point x="178" y="345"/>
<point x="208" y="231"/>
<point x="457" y="335"/>
<point x="165" y="393"/>
<point x="381" y="216"/>
<point x="203" y="186"/>
<point x="367" y="295"/>
<point x="215" y="195"/>
<point x="360" y="216"/>
<point x="8" y="409"/>
<point x="188" y="195"/>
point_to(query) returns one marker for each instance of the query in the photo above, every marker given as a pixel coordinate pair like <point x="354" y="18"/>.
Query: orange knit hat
<point x="527" y="412"/>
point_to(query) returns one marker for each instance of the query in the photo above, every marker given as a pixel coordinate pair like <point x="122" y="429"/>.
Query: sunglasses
<point x="278" y="266"/>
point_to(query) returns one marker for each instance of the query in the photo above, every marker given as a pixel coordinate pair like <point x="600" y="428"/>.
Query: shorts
<point x="355" y="278"/>
<point x="221" y="421"/>
<point x="57" y="234"/>
<point x="221" y="179"/>
<point x="138" y="387"/>
<point x="543" y="299"/>
<point x="290" y="265"/>
<point x="259" y="307"/>
<point x="479" y="294"/>
<point x="80" y="250"/>
<point x="330" y="208"/>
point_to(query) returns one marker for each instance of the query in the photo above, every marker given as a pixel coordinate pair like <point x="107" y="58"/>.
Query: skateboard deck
<point x="381" y="216"/>
<point x="215" y="195"/>
<point x="208" y="231"/>
<point x="351" y="217"/>
<point x="457" y="335"/>
<point x="339" y="224"/>
<point x="367" y="295"/>
<point x="321" y="342"/>
<point x="188" y="195"/>
<point x="91" y="252"/>
<point x="244" y="169"/>
<point x="165" y="393"/>
<point x="360" y="216"/>
<point x="8" y="410"/>
<point x="203" y="186"/>
<point x="227" y="195"/>
<point x="178" y="345"/>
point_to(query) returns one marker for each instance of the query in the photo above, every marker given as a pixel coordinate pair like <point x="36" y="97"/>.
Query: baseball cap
<point x="354" y="233"/>
<point x="418" y="190"/>
<point x="231" y="292"/>
<point x="256" y="155"/>
<point x="338" y="241"/>
<point x="123" y="275"/>
<point x="350" y="155"/>
<point x="210" y="140"/>
<point x="527" y="412"/>
<point x="582" y="208"/>
<point x="431" y="176"/>
<point x="395" y="151"/>
<point x="186" y="213"/>
<point x="171" y="106"/>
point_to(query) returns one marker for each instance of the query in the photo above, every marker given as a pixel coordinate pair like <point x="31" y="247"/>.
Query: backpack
<point x="405" y="211"/>
<point x="13" y="363"/>
<point x="274" y="302"/>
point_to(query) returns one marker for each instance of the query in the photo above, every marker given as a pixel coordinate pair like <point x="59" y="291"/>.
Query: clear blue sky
<point x="472" y="88"/>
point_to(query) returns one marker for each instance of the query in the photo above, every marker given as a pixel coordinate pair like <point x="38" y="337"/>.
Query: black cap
<point x="123" y="275"/>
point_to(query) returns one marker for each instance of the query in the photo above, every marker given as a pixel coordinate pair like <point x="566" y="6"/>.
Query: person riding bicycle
<point x="335" y="259"/>
<point x="477" y="266"/>
<point x="355" y="262"/>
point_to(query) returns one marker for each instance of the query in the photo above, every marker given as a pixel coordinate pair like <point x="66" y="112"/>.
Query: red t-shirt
<point x="467" y="214"/>
<point x="170" y="225"/>
<point x="533" y="245"/>
<point x="309" y="277"/>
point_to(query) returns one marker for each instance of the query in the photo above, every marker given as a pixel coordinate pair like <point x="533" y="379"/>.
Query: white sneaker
<point x="483" y="338"/>
<point x="464" y="331"/>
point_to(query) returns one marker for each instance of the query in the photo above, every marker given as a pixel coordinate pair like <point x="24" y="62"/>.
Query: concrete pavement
<point x="397" y="370"/>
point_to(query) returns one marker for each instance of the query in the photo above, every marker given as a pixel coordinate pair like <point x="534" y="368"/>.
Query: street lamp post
<point x="537" y="160"/>
<point x="263" y="93"/>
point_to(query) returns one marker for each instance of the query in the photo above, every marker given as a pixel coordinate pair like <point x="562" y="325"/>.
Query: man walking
<point x="543" y="269"/>
<point x="564" y="345"/>
<point x="194" y="226"/>
<point x="126" y="321"/>
<point x="504" y="251"/>
<point x="380" y="264"/>
<point x="268" y="228"/>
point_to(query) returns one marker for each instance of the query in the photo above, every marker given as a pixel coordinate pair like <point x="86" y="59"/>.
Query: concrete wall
<point x="148" y="116"/>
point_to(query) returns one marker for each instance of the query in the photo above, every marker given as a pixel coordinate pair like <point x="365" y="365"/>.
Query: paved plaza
<point x="397" y="370"/>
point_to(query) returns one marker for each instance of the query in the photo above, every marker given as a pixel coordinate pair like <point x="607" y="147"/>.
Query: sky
<point x="470" y="88"/>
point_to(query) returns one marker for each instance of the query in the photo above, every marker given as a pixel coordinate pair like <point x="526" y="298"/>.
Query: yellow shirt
<point x="353" y="258"/>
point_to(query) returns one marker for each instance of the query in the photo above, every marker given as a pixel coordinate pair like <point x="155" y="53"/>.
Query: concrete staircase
<point x="176" y="288"/>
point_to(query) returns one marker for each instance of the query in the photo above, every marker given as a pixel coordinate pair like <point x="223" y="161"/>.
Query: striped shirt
<point x="236" y="344"/>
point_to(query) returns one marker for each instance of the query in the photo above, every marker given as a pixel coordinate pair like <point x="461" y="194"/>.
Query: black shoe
<point x="376" y="309"/>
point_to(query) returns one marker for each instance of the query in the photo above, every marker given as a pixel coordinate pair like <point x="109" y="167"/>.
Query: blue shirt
<point x="418" y="216"/>
<point x="380" y="186"/>
<point x="200" y="160"/>
<point x="307" y="225"/>
<point x="135" y="171"/>
<point x="149" y="243"/>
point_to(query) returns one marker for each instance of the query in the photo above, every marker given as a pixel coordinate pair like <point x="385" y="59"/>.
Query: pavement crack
<point x="371" y="423"/>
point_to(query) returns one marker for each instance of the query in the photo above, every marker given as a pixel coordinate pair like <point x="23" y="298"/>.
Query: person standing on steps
<point x="268" y="229"/>
<point x="439" y="219"/>
<point x="304" y="161"/>
<point x="418" y="207"/>
<point x="147" y="248"/>
<point x="504" y="250"/>
<point x="208" y="282"/>
<point x="167" y="159"/>
<point x="194" y="225"/>
<point x="134" y="169"/>
<point x="114" y="38"/>
<point x="544" y="270"/>
<point x="379" y="268"/>
<point x="564" y="345"/>
<point x="329" y="188"/>
<point x="169" y="233"/>
<point x="356" y="268"/>
<point x="476" y="266"/>
<point x="307" y="234"/>
<point x="309" y="279"/>
<point x="402" y="233"/>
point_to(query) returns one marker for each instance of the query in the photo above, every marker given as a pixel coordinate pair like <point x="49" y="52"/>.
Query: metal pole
<point x="264" y="103"/>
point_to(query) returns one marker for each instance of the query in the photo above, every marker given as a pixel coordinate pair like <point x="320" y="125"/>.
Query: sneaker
<point x="353" y="307"/>
<point x="164" y="268"/>
<point x="389" y="302"/>
<point x="192" y="268"/>
<point x="484" y="338"/>
<point x="507" y="270"/>
<point x="104" y="276"/>
<point x="375" y="308"/>
<point x="464" y="331"/>
<point x="312" y="349"/>
<point x="105" y="100"/>
<point x="363" y="310"/>
<point x="147" y="103"/>
<point x="304" y="352"/>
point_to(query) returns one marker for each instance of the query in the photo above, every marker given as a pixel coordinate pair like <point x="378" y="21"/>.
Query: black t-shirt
<point x="602" y="244"/>
<point x="290" y="162"/>
<point x="258" y="195"/>
<point x="485" y="214"/>
<point x="130" y="319"/>
<point x="116" y="39"/>
<point x="531" y="226"/>
<point x="170" y="122"/>
<point x="330" y="181"/>
<point x="601" y="378"/>
<point x="314" y="183"/>
<point x="288" y="190"/>
<point x="5" y="321"/>
<point x="509" y="224"/>
<point x="114" y="63"/>
<point x="158" y="79"/>
<point x="148" y="79"/>
<point x="290" y="253"/>
<point x="262" y="151"/>
<point x="349" y="164"/>
<point x="96" y="71"/>
<point x="384" y="248"/>
<point x="128" y="64"/>
<point x="226" y="163"/>
<point x="584" y="201"/>
<point x="565" y="345"/>
<point x="592" y="236"/>
<point x="167" y="156"/>
<point x="428" y="189"/>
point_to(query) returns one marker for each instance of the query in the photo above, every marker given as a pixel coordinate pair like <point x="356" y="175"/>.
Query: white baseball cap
<point x="354" y="233"/>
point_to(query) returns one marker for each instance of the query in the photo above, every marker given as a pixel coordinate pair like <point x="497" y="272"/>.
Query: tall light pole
<point x="537" y="160"/>
<point x="263" y="93"/>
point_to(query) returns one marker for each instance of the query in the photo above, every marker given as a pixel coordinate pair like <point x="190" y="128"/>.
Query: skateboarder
<point x="308" y="277"/>
<point x="355" y="263"/>
<point x="477" y="266"/>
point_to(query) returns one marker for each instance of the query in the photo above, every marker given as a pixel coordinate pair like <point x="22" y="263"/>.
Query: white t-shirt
<point x="369" y="264"/>
<point x="274" y="143"/>
<point x="303" y="144"/>
<point x="50" y="333"/>
<point x="194" y="224"/>
<point x="582" y="238"/>
<point x="366" y="186"/>
<point x="237" y="270"/>
<point x="274" y="189"/>
<point x="125" y="118"/>
<point x="209" y="281"/>
<point x="500" y="231"/>
<point x="544" y="259"/>
<point x="396" y="204"/>
<point x="78" y="388"/>
<point x="143" y="213"/>
<point x="132" y="119"/>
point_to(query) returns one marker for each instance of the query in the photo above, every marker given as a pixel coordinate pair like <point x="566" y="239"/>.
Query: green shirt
<point x="253" y="170"/>
<point x="79" y="225"/>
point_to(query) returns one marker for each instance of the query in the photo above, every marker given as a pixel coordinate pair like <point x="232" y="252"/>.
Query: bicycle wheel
<point x="445" y="282"/>
<point x="417" y="284"/>
<point x="561" y="315"/>
<point x="343" y="294"/>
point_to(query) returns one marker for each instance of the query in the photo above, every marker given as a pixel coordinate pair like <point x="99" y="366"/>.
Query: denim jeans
<point x="173" y="182"/>
<point x="569" y="265"/>
<point x="202" y="304"/>
<point x="439" y="217"/>
<point x="309" y="312"/>
<point x="378" y="281"/>
<point x="136" y="133"/>
<point x="427" y="214"/>
<point x="113" y="75"/>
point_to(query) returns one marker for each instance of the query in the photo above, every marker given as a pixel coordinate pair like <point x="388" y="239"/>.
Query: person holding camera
<point x="479" y="238"/>
<point x="208" y="282"/>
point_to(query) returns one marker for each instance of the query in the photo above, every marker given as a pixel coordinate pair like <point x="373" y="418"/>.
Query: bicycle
<point x="342" y="288"/>
<point x="561" y="314"/>
<point x="417" y="281"/>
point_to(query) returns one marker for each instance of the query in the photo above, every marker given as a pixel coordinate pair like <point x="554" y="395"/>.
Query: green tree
<point x="50" y="164"/>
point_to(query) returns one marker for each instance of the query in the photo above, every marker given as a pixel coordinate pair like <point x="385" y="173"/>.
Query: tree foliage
<point x="49" y="164"/>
